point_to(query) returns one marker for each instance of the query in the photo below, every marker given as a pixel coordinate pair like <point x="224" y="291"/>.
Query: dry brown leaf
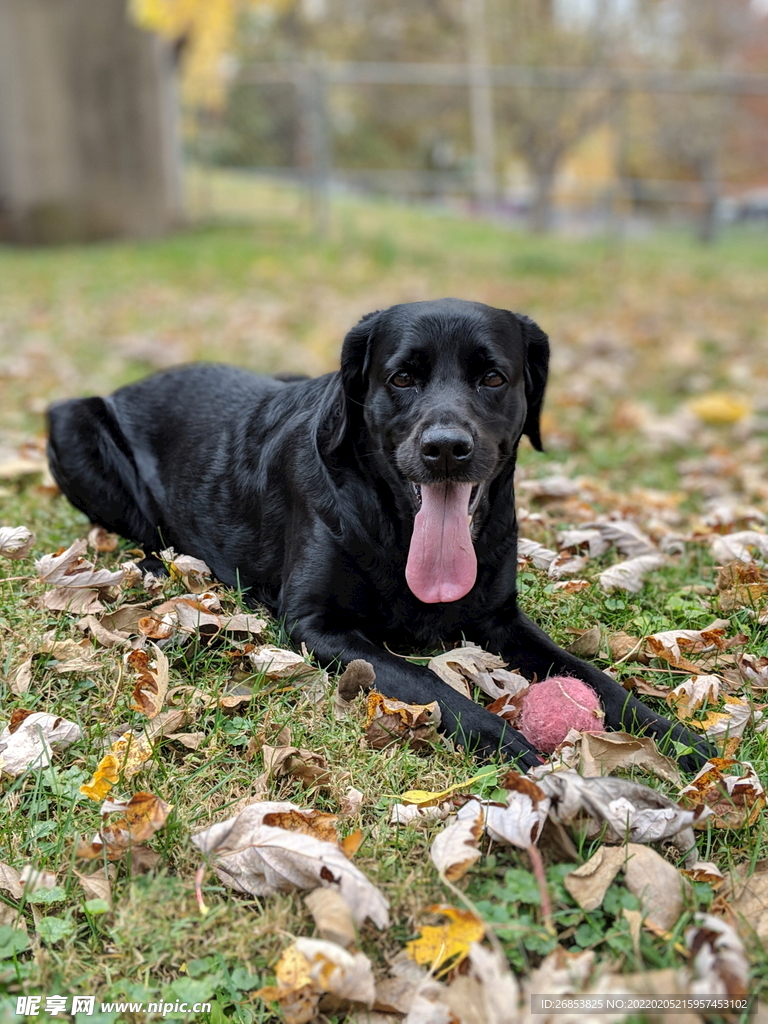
<point x="625" y="535"/>
<point x="587" y="643"/>
<point x="657" y="884"/>
<point x="73" y="600"/>
<point x="571" y="586"/>
<point x="749" y="901"/>
<point x="277" y="663"/>
<point x="392" y="721"/>
<point x="705" y="871"/>
<point x="32" y="743"/>
<point x="151" y="687"/>
<point x="740" y="585"/>
<point x="674" y="644"/>
<point x="469" y="665"/>
<point x="735" y="801"/>
<point x="485" y="992"/>
<point x="604" y="752"/>
<point x="21" y="679"/>
<point x="589" y="883"/>
<point x="311" y="969"/>
<point x="16" y="541"/>
<point x="142" y="816"/>
<point x="102" y="540"/>
<point x="125" y="618"/>
<point x="522" y="818"/>
<point x="753" y="670"/>
<point x="539" y="556"/>
<point x="559" y="973"/>
<point x="36" y="879"/>
<point x="629" y="575"/>
<point x="627" y="810"/>
<point x="10" y="881"/>
<point x="739" y="546"/>
<point x="91" y="626"/>
<point x="97" y="886"/>
<point x="720" y="963"/>
<point x="71" y="656"/>
<point x="190" y="740"/>
<point x="405" y="814"/>
<point x="332" y="916"/>
<point x="351" y="802"/>
<point x="359" y="675"/>
<point x="446" y="945"/>
<point x="624" y="647"/>
<point x="319" y="824"/>
<point x="251" y="856"/>
<point x="455" y="849"/>
<point x="68" y="568"/>
<point x="305" y="765"/>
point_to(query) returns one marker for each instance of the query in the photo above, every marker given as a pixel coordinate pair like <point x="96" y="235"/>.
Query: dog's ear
<point x="536" y="366"/>
<point x="348" y="390"/>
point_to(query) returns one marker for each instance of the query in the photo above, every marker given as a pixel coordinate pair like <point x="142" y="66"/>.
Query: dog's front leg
<point x="469" y="724"/>
<point x="529" y="649"/>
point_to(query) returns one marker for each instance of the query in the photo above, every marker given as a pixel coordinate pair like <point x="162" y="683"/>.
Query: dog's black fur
<point x="300" y="492"/>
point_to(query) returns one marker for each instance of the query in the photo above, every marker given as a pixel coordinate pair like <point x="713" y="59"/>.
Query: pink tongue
<point x="442" y="565"/>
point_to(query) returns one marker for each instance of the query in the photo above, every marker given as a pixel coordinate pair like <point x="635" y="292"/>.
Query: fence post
<point x="481" y="105"/>
<point x="313" y="100"/>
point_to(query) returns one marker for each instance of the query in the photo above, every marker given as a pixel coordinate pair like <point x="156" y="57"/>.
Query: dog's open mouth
<point x="442" y="565"/>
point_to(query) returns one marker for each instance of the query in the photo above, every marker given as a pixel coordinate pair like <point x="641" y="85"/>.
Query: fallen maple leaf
<point x="446" y="945"/>
<point x="253" y="857"/>
<point x="102" y="540"/>
<point x="33" y="742"/>
<point x="392" y="721"/>
<point x="142" y="816"/>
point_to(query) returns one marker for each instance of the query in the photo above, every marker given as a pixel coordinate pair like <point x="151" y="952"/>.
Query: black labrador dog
<point x="367" y="508"/>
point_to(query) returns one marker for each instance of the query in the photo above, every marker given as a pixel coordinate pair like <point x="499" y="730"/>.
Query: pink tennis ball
<point x="555" y="705"/>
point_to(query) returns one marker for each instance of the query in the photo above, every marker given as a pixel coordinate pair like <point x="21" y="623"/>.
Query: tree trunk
<point x="89" y="144"/>
<point x="542" y="207"/>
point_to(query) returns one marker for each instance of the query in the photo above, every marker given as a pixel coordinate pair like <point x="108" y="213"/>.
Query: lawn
<point x="656" y="413"/>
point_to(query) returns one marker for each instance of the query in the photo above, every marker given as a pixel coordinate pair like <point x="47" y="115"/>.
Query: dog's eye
<point x="403" y="380"/>
<point x="492" y="379"/>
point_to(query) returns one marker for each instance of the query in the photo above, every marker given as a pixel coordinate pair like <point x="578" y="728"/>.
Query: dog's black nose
<point x="446" y="448"/>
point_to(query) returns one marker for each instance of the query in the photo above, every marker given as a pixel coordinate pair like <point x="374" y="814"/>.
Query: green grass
<point x="653" y="323"/>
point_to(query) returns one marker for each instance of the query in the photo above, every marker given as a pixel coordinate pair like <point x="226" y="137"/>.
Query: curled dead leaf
<point x="392" y="721"/>
<point x="16" y="541"/>
<point x="455" y="849"/>
<point x="251" y="856"/>
<point x="733" y="800"/>
<point x="151" y="686"/>
<point x="32" y="743"/>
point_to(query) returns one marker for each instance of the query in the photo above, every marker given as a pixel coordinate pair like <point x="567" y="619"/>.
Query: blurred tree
<point x="88" y="141"/>
<point x="693" y="131"/>
<point x="548" y="121"/>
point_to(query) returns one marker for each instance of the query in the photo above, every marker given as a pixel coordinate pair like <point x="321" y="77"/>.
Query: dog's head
<point x="442" y="392"/>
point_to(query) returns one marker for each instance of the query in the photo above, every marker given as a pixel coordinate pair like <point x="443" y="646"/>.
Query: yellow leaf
<point x="448" y="943"/>
<point x="719" y="407"/>
<point x="427" y="798"/>
<point x="104" y="778"/>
